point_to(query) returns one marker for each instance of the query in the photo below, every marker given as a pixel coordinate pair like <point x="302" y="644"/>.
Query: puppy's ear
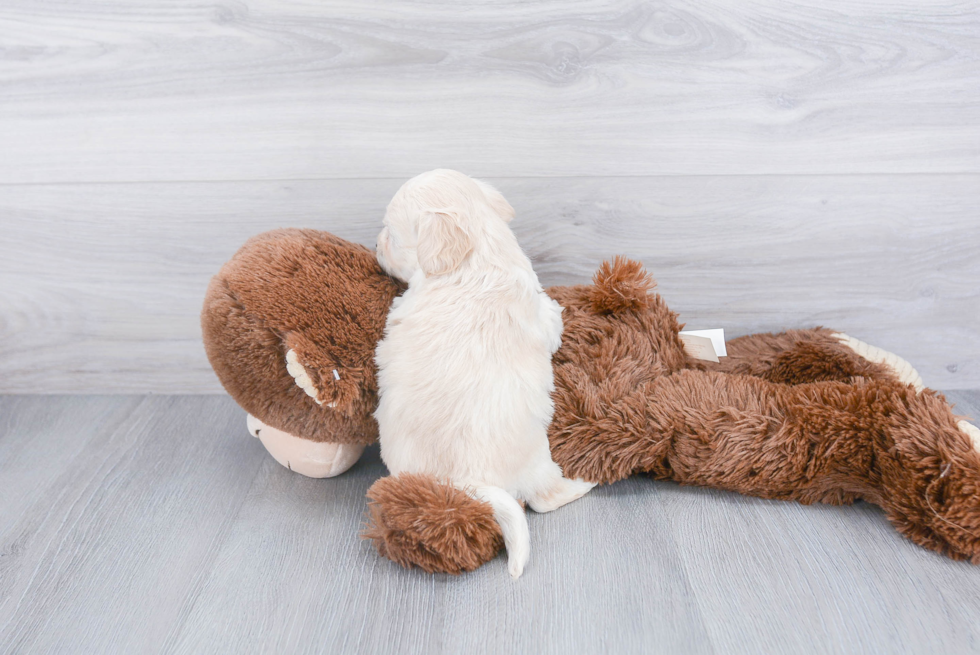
<point x="496" y="201"/>
<point x="443" y="243"/>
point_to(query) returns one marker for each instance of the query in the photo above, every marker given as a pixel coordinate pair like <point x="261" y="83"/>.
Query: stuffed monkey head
<point x="322" y="297"/>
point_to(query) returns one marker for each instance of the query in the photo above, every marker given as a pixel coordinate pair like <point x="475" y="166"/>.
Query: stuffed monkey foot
<point x="928" y="476"/>
<point x="971" y="431"/>
<point x="900" y="368"/>
<point x="313" y="459"/>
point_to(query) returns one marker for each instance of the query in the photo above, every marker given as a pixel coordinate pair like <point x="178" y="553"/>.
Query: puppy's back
<point x="465" y="375"/>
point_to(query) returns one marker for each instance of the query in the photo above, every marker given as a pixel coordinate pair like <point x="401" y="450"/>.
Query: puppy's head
<point x="435" y="221"/>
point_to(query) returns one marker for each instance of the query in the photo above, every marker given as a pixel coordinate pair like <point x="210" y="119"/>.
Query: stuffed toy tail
<point x="416" y="520"/>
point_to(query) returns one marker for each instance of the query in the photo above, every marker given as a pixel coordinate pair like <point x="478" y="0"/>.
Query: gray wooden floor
<point x="147" y="524"/>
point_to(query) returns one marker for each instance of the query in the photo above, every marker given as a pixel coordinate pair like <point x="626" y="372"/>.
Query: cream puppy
<point x="465" y="375"/>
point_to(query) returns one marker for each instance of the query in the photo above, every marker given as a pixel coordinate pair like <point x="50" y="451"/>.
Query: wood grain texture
<point x="107" y="91"/>
<point x="156" y="525"/>
<point x="775" y="164"/>
<point x="118" y="513"/>
<point x="101" y="285"/>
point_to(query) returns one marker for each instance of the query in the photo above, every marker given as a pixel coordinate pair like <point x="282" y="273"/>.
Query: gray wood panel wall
<point x="774" y="164"/>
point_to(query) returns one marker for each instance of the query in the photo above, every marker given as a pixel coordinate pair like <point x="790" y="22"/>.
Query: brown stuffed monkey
<point x="291" y="322"/>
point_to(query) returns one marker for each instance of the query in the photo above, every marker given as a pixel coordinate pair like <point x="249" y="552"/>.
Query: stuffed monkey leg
<point x="822" y="442"/>
<point x="815" y="355"/>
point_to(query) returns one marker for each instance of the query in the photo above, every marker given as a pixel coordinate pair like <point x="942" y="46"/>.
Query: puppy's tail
<point x="513" y="524"/>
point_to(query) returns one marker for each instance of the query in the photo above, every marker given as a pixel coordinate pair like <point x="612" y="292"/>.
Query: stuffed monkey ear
<point x="496" y="201"/>
<point x="443" y="243"/>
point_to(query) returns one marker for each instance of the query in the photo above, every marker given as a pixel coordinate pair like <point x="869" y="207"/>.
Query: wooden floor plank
<point x="604" y="577"/>
<point x="41" y="439"/>
<point x="160" y="526"/>
<point x="118" y="542"/>
<point x="293" y="576"/>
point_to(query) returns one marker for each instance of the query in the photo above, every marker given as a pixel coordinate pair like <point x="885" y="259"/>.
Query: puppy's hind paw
<point x="561" y="492"/>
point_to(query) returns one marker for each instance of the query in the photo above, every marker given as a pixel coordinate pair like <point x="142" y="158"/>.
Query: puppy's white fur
<point x="465" y="373"/>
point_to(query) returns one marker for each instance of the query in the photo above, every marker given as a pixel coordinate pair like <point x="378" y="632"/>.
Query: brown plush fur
<point x="417" y="521"/>
<point x="303" y="290"/>
<point x="792" y="416"/>
<point x="627" y="402"/>
<point x="619" y="285"/>
<point x="797" y="356"/>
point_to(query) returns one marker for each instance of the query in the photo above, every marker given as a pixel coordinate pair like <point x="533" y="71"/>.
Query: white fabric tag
<point x="699" y="347"/>
<point x="717" y="337"/>
<point x="708" y="345"/>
